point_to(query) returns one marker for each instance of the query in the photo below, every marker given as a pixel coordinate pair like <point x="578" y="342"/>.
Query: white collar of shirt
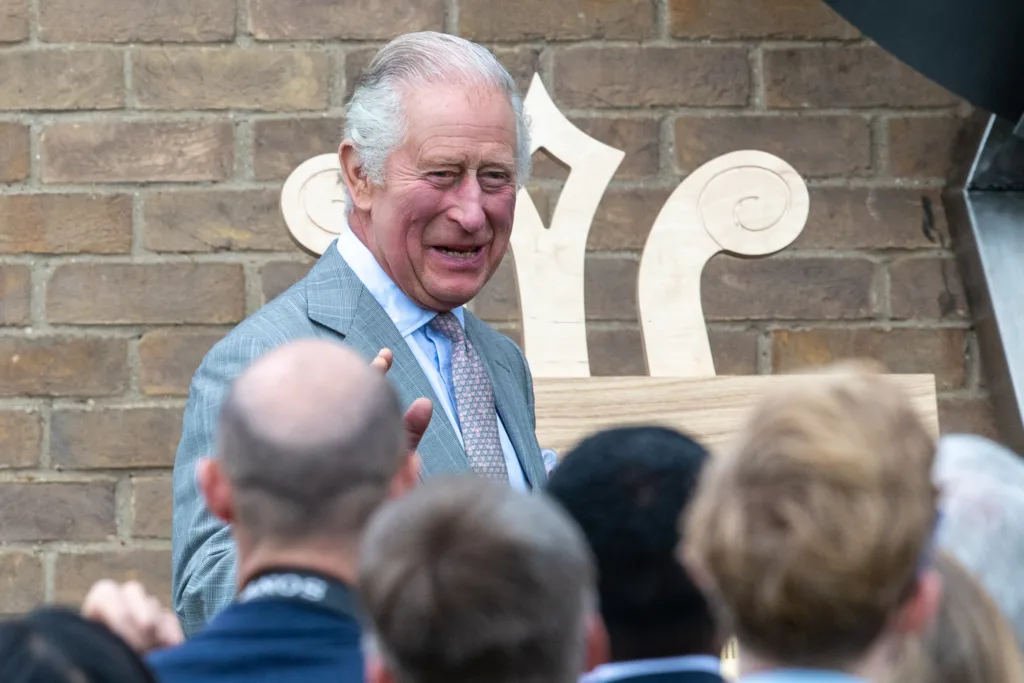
<point x="403" y="311"/>
<point x="645" y="667"/>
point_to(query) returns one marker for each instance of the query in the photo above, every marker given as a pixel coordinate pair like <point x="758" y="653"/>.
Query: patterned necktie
<point x="474" y="398"/>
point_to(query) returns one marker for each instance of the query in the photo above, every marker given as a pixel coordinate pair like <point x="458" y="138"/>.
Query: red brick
<point x="924" y="289"/>
<point x="967" y="416"/>
<point x="15" y="294"/>
<point x="921" y="146"/>
<point x="169" y="358"/>
<point x="787" y="288"/>
<point x="342" y="19"/>
<point x="230" y="78"/>
<point x="848" y="77"/>
<point x="35" y="511"/>
<point x="14" y="18"/>
<point x="62" y="366"/>
<point x="638" y="138"/>
<point x="216" y="220"/>
<point x="121" y="294"/>
<point x="136" y="21"/>
<point x="814" y="145"/>
<point x="75" y="573"/>
<point x="14" y="161"/>
<point x="610" y="288"/>
<point x="732" y="19"/>
<point x="280" y="275"/>
<point x="567" y="20"/>
<point x="65" y="224"/>
<point x="61" y="79"/>
<point x="114" y="438"/>
<point x="21" y="582"/>
<point x="21" y="434"/>
<point x="280" y="145"/>
<point x="624" y="218"/>
<point x="616" y="352"/>
<point x="901" y="350"/>
<point x="137" y="151"/>
<point x="498" y="301"/>
<point x="152" y="505"/>
<point x="876" y="218"/>
<point x="651" y="76"/>
<point x="734" y="351"/>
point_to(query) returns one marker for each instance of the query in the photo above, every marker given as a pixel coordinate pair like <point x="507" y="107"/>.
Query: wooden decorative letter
<point x="745" y="203"/>
<point x="549" y="262"/>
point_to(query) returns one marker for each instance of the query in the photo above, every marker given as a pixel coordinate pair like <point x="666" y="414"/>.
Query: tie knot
<point x="447" y="324"/>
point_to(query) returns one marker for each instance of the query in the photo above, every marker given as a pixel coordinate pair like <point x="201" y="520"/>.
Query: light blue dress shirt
<point x="800" y="676"/>
<point x="608" y="673"/>
<point x="432" y="349"/>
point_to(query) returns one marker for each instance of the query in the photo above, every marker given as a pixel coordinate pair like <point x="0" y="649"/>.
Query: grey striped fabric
<point x="330" y="302"/>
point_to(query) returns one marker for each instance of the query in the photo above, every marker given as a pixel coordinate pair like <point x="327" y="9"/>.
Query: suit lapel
<point x="338" y="300"/>
<point x="510" y="406"/>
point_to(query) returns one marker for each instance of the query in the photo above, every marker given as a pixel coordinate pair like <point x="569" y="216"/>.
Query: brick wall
<point x="142" y="148"/>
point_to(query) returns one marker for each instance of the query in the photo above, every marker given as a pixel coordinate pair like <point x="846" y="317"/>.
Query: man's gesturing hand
<point x="131" y="613"/>
<point x="417" y="417"/>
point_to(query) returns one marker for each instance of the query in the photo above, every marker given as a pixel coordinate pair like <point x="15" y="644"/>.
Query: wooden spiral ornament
<point x="747" y="203"/>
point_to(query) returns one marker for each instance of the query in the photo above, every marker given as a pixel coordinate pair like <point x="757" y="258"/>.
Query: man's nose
<point x="468" y="209"/>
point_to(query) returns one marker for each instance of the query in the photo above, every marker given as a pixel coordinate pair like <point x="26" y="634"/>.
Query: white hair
<point x="374" y="117"/>
<point x="982" y="486"/>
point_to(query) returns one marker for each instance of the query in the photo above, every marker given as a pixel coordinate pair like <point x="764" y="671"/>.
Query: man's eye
<point x="442" y="174"/>
<point x="496" y="177"/>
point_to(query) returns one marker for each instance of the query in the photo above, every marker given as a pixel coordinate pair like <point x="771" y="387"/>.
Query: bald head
<point x="310" y="438"/>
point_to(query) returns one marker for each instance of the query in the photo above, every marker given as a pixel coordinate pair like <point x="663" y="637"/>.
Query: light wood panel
<point x="710" y="409"/>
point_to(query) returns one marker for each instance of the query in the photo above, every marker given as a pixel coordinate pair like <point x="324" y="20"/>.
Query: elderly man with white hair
<point x="982" y="488"/>
<point x="435" y="148"/>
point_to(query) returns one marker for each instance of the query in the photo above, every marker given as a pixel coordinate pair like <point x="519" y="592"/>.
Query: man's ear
<point x="407" y="478"/>
<point x="921" y="607"/>
<point x="360" y="191"/>
<point x="598" y="647"/>
<point x="216" y="489"/>
<point x="376" y="671"/>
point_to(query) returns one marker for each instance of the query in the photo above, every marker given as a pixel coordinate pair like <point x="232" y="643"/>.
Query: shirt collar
<point x="645" y="667"/>
<point x="403" y="311"/>
<point x="800" y="676"/>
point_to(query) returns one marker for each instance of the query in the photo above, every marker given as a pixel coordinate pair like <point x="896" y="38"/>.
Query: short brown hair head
<point x="969" y="641"/>
<point x="465" y="580"/>
<point x="809" y="531"/>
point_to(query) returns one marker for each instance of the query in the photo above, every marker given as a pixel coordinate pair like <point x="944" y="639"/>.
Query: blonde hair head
<point x="808" y="533"/>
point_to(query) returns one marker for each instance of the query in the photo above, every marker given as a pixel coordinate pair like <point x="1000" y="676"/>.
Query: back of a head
<point x="627" y="488"/>
<point x="809" y="532"/>
<point x="54" y="645"/>
<point x="310" y="439"/>
<point x="465" y="580"/>
<point x="982" y="487"/>
<point x="968" y="641"/>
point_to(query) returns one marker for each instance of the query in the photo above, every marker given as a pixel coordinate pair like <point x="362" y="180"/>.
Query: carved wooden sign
<point x="747" y="203"/>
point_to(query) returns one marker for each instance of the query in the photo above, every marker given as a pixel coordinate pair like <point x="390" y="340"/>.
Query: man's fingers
<point x="169" y="631"/>
<point x="383" y="360"/>
<point x="417" y="418"/>
<point x="143" y="611"/>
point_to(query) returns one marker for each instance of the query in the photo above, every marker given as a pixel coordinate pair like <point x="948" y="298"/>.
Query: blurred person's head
<point x="465" y="580"/>
<point x="627" y="488"/>
<point x="310" y="444"/>
<point x="969" y="640"/>
<point x="982" y="489"/>
<point x="436" y="146"/>
<point x="811" y="535"/>
<point x="54" y="645"/>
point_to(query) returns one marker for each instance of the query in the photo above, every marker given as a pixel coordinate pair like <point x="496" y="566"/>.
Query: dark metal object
<point x="986" y="219"/>
<point x="974" y="48"/>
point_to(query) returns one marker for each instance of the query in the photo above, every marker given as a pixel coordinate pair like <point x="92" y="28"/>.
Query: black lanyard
<point x="302" y="586"/>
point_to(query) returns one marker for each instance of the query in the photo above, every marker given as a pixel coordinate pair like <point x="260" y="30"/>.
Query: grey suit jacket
<point x="329" y="302"/>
